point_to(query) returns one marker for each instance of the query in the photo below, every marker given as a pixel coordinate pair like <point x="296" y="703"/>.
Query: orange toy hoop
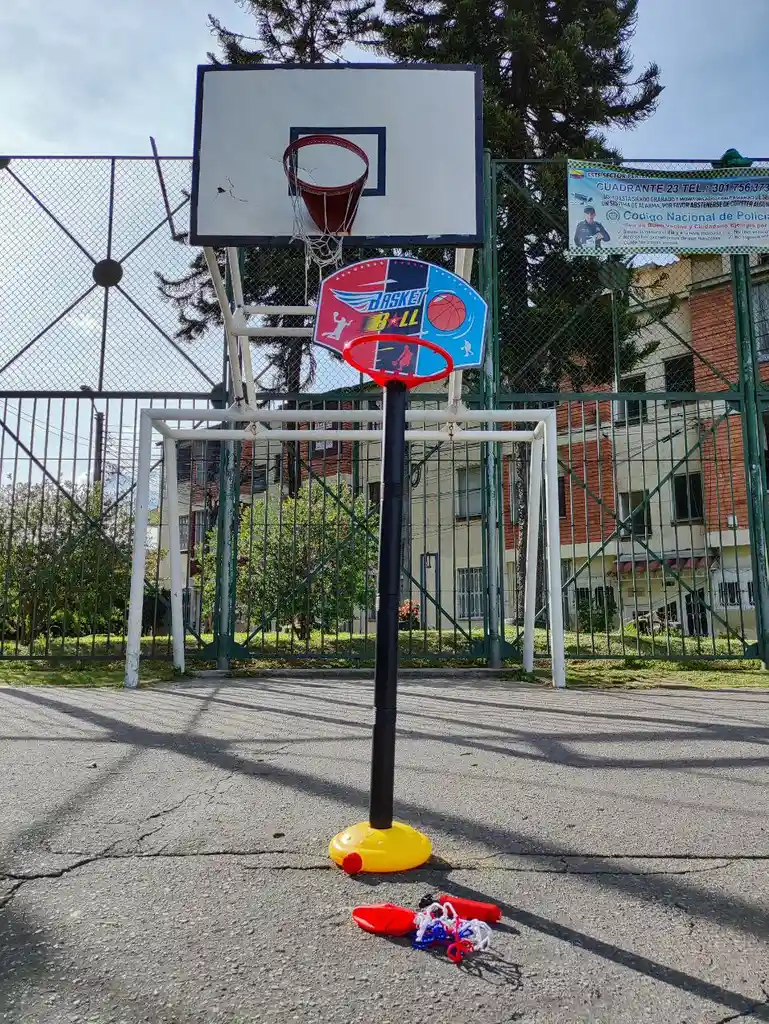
<point x="384" y="376"/>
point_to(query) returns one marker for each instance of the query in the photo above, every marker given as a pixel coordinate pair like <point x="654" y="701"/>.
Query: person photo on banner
<point x="590" y="232"/>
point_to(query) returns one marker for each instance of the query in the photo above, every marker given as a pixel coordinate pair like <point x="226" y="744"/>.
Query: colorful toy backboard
<point x="408" y="297"/>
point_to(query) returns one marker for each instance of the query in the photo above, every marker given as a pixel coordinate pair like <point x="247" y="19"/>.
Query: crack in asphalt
<point x="482" y="864"/>
<point x="749" y="1010"/>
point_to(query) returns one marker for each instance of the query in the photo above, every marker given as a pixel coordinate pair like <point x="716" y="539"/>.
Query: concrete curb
<point x="367" y="674"/>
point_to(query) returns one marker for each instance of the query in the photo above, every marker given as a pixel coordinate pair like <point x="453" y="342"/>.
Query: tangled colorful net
<point x="439" y="925"/>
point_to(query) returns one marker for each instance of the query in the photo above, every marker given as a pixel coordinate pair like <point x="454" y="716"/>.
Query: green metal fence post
<point x="493" y="510"/>
<point x="752" y="429"/>
<point x="226" y="544"/>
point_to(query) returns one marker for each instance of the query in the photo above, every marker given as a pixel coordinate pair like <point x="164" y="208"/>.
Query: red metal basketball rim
<point x="383" y="377"/>
<point x="289" y="164"/>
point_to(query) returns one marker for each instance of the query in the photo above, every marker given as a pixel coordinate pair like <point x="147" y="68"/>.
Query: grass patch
<point x="80" y="673"/>
<point x="616" y="661"/>
<point x="637" y="674"/>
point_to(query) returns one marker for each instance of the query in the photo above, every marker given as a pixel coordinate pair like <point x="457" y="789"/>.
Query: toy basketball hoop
<point x="397" y="357"/>
<point x="332" y="208"/>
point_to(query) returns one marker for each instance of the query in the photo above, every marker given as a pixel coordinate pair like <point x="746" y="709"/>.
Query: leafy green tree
<point x="309" y="565"/>
<point x="65" y="562"/>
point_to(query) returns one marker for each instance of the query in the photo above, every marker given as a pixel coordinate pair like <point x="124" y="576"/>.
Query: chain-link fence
<point x="84" y="241"/>
<point x="103" y="311"/>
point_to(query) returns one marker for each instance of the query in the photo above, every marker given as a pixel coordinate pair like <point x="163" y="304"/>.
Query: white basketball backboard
<point x="419" y="125"/>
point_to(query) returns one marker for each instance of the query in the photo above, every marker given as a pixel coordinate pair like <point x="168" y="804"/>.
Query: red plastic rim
<point x="383" y="377"/>
<point x="332" y="207"/>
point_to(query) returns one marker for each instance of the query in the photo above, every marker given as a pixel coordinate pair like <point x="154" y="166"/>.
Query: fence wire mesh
<point x="640" y="355"/>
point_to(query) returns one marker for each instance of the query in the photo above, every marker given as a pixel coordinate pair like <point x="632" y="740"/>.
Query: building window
<point x="761" y="318"/>
<point x="583" y="596"/>
<point x="258" y="479"/>
<point x="687" y="497"/>
<point x="679" y="375"/>
<point x="198" y="532"/>
<point x="630" y="410"/>
<point x="320" y="448"/>
<point x="470" y="593"/>
<point x="184" y="533"/>
<point x="635" y="516"/>
<point x="604" y="595"/>
<point x="561" y="497"/>
<point x="374" y="494"/>
<point x="468" y="504"/>
<point x="199" y="462"/>
<point x="729" y="594"/>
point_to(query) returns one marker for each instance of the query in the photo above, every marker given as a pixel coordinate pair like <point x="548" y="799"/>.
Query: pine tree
<point x="557" y="74"/>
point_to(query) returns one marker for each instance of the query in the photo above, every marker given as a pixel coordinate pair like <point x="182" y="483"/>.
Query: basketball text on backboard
<point x="419" y="126"/>
<point x="398" y="296"/>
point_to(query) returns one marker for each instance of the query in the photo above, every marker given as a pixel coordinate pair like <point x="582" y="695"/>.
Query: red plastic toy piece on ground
<point x="457" y="951"/>
<point x="352" y="864"/>
<point x="488" y="912"/>
<point x="385" y="919"/>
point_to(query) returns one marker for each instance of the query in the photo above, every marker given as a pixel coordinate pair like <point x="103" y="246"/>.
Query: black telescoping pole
<point x="386" y="672"/>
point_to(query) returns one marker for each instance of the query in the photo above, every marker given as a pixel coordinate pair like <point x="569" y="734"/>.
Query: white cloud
<point x="99" y="77"/>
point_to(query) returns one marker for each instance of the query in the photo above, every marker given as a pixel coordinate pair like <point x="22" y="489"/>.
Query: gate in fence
<point x="661" y="395"/>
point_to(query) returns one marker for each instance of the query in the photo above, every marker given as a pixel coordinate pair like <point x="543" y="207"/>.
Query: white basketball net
<point x="323" y="251"/>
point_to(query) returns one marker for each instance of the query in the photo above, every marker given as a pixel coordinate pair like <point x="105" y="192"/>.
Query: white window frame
<point x="464" y="493"/>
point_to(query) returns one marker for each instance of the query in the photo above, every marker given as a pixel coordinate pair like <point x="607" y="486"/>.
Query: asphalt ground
<point x="163" y="853"/>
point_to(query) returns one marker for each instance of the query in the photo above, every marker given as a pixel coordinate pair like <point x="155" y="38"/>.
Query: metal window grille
<point x="729" y="594"/>
<point x="184" y="532"/>
<point x="470" y="593"/>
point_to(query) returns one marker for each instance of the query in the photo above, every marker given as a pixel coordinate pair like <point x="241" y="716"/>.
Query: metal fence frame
<point x="81" y="222"/>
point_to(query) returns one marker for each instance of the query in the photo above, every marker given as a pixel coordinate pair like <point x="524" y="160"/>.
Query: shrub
<point x="408" y="615"/>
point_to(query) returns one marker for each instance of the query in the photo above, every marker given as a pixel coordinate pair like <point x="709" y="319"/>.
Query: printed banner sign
<point x="623" y="210"/>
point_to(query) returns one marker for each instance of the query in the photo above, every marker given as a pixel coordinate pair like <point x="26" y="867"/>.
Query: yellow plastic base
<point x="399" y="848"/>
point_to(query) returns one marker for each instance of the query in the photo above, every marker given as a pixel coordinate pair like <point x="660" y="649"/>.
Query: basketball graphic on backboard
<point x="446" y="312"/>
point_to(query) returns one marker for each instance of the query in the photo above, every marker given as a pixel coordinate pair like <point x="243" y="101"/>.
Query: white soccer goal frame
<point x="446" y="425"/>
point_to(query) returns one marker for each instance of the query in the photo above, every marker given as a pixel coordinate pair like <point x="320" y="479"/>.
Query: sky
<point x="100" y="76"/>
